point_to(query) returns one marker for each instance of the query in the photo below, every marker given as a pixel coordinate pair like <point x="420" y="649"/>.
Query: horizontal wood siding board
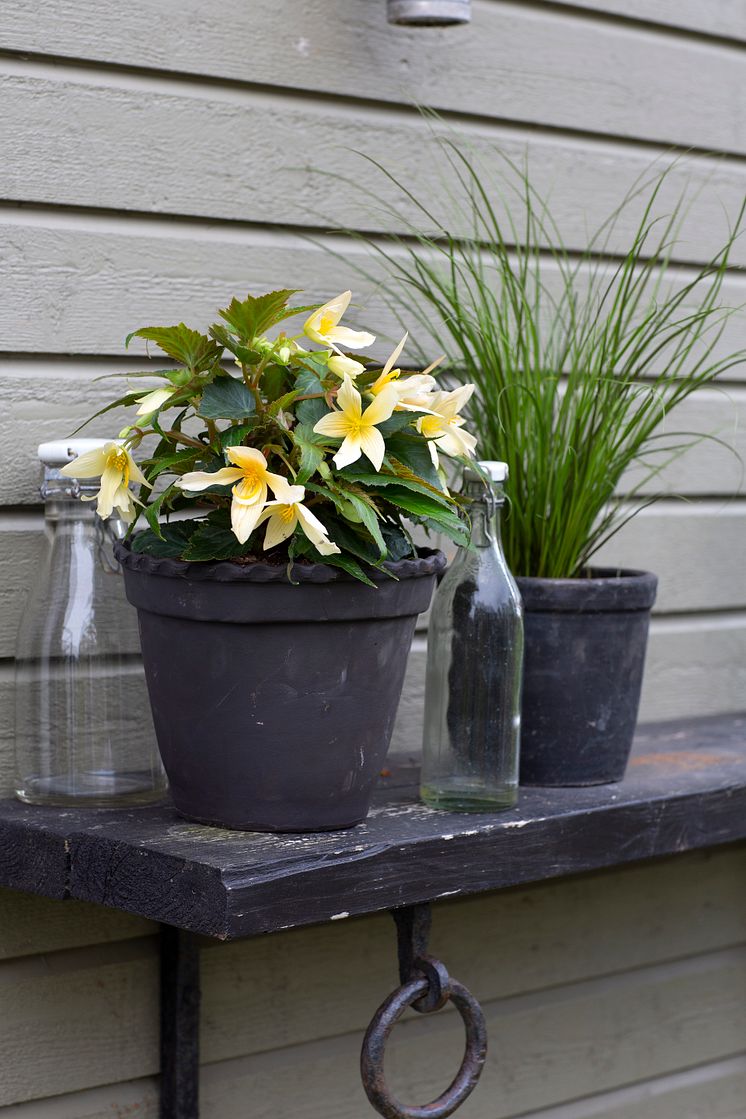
<point x="724" y="19"/>
<point x="714" y="1091"/>
<point x="227" y="884"/>
<point x="80" y="282"/>
<point x="666" y="935"/>
<point x="52" y="400"/>
<point x="30" y="925"/>
<point x="93" y="154"/>
<point x="537" y="66"/>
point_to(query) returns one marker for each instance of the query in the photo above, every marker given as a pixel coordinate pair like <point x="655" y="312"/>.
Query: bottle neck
<point x="485" y="523"/>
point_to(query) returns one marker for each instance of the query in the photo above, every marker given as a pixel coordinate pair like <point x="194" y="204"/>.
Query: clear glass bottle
<point x="475" y="666"/>
<point x="84" y="732"/>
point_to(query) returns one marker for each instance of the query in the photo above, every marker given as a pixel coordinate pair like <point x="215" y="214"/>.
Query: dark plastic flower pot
<point x="585" y="653"/>
<point x="274" y="703"/>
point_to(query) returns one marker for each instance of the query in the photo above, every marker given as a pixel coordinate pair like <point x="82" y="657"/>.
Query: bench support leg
<point x="180" y="999"/>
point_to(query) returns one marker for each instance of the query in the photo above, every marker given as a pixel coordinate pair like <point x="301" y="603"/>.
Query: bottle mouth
<point x="57" y="485"/>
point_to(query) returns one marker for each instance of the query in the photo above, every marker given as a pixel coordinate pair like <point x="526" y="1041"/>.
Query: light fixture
<point x="429" y="13"/>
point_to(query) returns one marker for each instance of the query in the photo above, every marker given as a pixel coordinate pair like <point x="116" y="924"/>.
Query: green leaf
<point x="234" y="436"/>
<point x="413" y="452"/>
<point x="125" y="401"/>
<point x="247" y="356"/>
<point x="398" y="422"/>
<point x="398" y="543"/>
<point x="346" y="563"/>
<point x="160" y="463"/>
<point x="382" y="480"/>
<point x="368" y="517"/>
<point x="227" y="398"/>
<point x="152" y="511"/>
<point x="254" y="315"/>
<point x="420" y="506"/>
<point x="213" y="542"/>
<point x="280" y="403"/>
<point x="187" y="346"/>
<point x="171" y="542"/>
<point x="311" y="453"/>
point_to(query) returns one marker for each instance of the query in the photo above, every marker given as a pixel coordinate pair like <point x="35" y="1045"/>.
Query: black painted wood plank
<point x="686" y="788"/>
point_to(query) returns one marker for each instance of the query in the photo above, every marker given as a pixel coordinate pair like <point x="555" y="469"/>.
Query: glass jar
<point x="84" y="732"/>
<point x="475" y="665"/>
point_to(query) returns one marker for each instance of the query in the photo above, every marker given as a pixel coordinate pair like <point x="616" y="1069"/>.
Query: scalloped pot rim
<point x="429" y="562"/>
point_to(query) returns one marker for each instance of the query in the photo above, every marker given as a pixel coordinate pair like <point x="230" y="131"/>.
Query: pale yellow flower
<point x="413" y="389"/>
<point x="357" y="428"/>
<point x="154" y="400"/>
<point x="286" y="513"/>
<point x="116" y="468"/>
<point x="322" y="326"/>
<point x="388" y="373"/>
<point x="444" y="426"/>
<point x="339" y="364"/>
<point x="252" y="479"/>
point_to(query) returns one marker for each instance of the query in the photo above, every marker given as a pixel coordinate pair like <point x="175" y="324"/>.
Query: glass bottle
<point x="84" y="732"/>
<point x="475" y="666"/>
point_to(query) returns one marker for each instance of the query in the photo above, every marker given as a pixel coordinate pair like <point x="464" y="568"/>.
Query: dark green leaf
<point x="227" y="398"/>
<point x="225" y="338"/>
<point x="398" y="543"/>
<point x="212" y="542"/>
<point x="280" y="403"/>
<point x="152" y="511"/>
<point x="413" y="452"/>
<point x="346" y="563"/>
<point x="367" y="515"/>
<point x="173" y="461"/>
<point x="171" y="543"/>
<point x="420" y="506"/>
<point x="234" y="436"/>
<point x="383" y="480"/>
<point x="195" y="350"/>
<point x="397" y="422"/>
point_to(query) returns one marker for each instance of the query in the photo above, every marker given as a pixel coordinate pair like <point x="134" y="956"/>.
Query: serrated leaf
<point x="304" y="547"/>
<point x="234" y="436"/>
<point x="212" y="542"/>
<point x="383" y="480"/>
<point x="254" y="315"/>
<point x="311" y="453"/>
<point x="152" y="511"/>
<point x="397" y="422"/>
<point x="243" y="353"/>
<point x="413" y="452"/>
<point x="160" y="463"/>
<point x="282" y="402"/>
<point x="189" y="347"/>
<point x="125" y="401"/>
<point x="421" y="507"/>
<point x="368" y="518"/>
<point x="227" y="398"/>
<point x="171" y="543"/>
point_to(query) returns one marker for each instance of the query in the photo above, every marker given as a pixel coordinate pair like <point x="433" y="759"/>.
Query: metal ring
<point x="384" y="1020"/>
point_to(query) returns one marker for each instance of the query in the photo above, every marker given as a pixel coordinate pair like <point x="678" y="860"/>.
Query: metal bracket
<point x="426" y="987"/>
<point x="180" y="1001"/>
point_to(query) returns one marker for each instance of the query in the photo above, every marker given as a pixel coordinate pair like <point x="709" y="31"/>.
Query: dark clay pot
<point x="274" y="703"/>
<point x="585" y="653"/>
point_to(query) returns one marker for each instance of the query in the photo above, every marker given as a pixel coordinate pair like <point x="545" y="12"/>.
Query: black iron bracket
<point x="426" y="986"/>
<point x="180" y="1005"/>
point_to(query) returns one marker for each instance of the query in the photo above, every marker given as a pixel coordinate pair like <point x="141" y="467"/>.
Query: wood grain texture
<point x="710" y="1091"/>
<point x="539" y="67"/>
<point x="229" y="884"/>
<point x="78" y="283"/>
<point x="720" y="18"/>
<point x="93" y="154"/>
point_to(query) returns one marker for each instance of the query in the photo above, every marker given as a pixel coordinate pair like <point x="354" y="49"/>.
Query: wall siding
<point x="158" y="156"/>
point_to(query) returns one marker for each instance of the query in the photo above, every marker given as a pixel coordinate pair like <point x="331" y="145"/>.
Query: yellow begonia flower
<point x="444" y="426"/>
<point x="250" y="492"/>
<point x="413" y="389"/>
<point x="340" y="365"/>
<point x="357" y="428"/>
<point x="116" y="468"/>
<point x="284" y="514"/>
<point x="388" y="373"/>
<point x="153" y="400"/>
<point x="322" y="326"/>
